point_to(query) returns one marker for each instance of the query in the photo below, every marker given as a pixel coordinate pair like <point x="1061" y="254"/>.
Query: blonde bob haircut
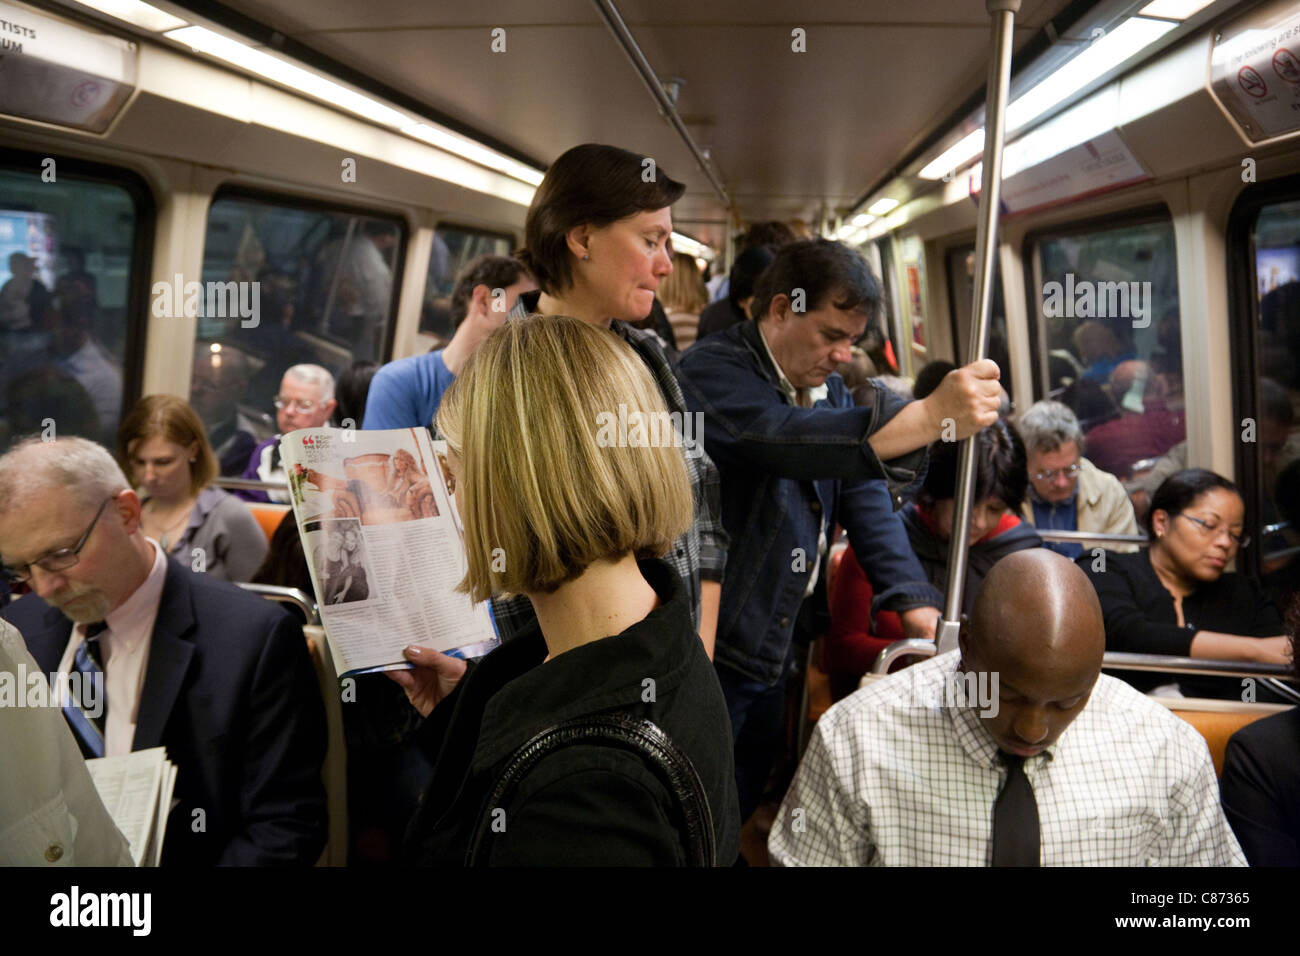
<point x="543" y="496"/>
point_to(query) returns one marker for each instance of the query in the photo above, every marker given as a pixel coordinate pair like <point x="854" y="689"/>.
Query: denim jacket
<point x="787" y="474"/>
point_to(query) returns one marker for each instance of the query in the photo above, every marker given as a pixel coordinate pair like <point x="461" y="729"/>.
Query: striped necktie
<point x="1015" y="818"/>
<point x="88" y="661"/>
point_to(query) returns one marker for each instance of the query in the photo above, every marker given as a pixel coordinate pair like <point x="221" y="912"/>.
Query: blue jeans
<point x="757" y="717"/>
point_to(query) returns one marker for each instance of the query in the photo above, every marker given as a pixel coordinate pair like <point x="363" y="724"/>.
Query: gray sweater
<point x="222" y="538"/>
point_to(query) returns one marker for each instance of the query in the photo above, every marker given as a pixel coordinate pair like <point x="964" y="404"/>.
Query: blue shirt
<point x="406" y="393"/>
<point x="1058" y="516"/>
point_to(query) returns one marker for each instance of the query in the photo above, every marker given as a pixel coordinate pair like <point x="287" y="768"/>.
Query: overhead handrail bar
<point x="1003" y="13"/>
<point x="642" y="66"/>
<point x="284" y="595"/>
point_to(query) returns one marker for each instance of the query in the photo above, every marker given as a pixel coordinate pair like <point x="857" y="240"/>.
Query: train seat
<point x="268" y="516"/>
<point x="335" y="770"/>
<point x="1217" y="720"/>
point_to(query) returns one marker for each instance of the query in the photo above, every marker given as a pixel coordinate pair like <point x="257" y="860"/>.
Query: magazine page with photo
<point x="382" y="535"/>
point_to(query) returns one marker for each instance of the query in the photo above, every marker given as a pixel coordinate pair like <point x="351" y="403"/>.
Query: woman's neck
<point x="606" y="599"/>
<point x="1174" y="582"/>
<point x="576" y="303"/>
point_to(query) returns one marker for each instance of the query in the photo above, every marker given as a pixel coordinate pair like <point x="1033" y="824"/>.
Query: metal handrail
<point x="1114" y="660"/>
<point x="1051" y="534"/>
<point x="274" y="592"/>
<point x="251" y="484"/>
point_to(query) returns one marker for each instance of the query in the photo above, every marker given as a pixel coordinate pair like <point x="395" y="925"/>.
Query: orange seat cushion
<point x="1216" y="727"/>
<point x="268" y="516"/>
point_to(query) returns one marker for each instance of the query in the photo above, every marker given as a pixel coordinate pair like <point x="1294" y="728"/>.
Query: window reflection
<point x="65" y="266"/>
<point x="453" y="248"/>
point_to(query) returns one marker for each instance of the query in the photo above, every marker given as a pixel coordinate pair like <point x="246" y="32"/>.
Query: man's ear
<point x="578" y="239"/>
<point x="127" y="505"/>
<point x="778" y="310"/>
<point x="329" y="408"/>
<point x="481" y="299"/>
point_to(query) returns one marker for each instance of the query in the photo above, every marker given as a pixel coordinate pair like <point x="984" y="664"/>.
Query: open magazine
<point x="383" y="540"/>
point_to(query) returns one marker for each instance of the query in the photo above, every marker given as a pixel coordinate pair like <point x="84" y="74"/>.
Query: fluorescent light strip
<point x="1102" y="56"/>
<point x="862" y="219"/>
<point x="690" y="246"/>
<point x="1174" y="9"/>
<point x="882" y="207"/>
<point x="136" y="13"/>
<point x="335" y="94"/>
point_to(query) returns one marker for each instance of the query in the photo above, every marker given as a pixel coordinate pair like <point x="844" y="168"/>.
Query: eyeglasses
<point x="59" y="560"/>
<point x="1212" y="530"/>
<point x="1050" y="474"/>
<point x="302" y="404"/>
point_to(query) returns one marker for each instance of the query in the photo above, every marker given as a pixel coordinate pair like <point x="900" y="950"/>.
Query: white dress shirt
<point x="125" y="646"/>
<point x="893" y="777"/>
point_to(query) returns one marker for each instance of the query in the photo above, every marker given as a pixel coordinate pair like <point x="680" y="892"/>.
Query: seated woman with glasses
<point x="1067" y="492"/>
<point x="162" y="447"/>
<point x="1177" y="598"/>
<point x="558" y="510"/>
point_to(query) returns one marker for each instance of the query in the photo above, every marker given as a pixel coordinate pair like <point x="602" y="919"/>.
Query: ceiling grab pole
<point x="1003" y="13"/>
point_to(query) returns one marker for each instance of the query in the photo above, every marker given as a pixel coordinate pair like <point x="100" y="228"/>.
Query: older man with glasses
<point x="305" y="400"/>
<point x="218" y="677"/>
<point x="1067" y="492"/>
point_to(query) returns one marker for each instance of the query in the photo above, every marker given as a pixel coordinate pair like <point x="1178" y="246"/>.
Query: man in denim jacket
<point x="796" y="457"/>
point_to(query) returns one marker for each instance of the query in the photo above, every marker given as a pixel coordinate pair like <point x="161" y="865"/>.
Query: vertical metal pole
<point x="1003" y="13"/>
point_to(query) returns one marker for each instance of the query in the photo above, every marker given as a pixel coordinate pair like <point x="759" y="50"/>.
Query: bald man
<point x="1014" y="750"/>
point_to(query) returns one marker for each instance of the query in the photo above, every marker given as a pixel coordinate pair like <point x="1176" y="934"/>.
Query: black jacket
<point x="586" y="804"/>
<point x="1261" y="789"/>
<point x="1140" y="617"/>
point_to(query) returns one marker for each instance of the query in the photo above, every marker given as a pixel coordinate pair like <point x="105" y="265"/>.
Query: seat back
<point x="335" y="772"/>
<point x="1217" y="720"/>
<point x="268" y="516"/>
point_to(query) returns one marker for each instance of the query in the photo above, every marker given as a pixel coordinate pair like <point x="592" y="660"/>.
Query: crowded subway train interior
<point x="197" y="196"/>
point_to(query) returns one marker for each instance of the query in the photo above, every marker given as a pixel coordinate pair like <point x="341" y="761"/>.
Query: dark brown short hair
<point x="588" y="185"/>
<point x="495" y="272"/>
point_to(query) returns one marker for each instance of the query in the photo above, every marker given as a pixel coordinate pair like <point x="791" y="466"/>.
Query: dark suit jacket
<point x="230" y="691"/>
<point x="1260" y="788"/>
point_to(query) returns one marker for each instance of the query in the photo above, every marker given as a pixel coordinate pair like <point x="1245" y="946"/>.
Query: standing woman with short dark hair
<point x="597" y="240"/>
<point x="1177" y="598"/>
<point x="162" y="447"/>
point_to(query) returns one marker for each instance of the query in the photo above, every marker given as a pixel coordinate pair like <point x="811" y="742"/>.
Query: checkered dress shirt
<point x="895" y="778"/>
<point x="701" y="553"/>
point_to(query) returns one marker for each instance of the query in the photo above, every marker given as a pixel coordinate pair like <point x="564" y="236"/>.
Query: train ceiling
<point x="787" y="130"/>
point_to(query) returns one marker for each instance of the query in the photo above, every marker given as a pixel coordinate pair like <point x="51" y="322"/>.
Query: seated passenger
<point x="1176" y="598"/>
<point x="219" y="380"/>
<point x="1012" y="751"/>
<point x="580" y="522"/>
<point x="1260" y="786"/>
<point x="350" y="394"/>
<point x="219" y="677"/>
<point x="406" y="393"/>
<point x="306" y="400"/>
<point x="1067" y="492"/>
<point x="995" y="531"/>
<point x="162" y="446"/>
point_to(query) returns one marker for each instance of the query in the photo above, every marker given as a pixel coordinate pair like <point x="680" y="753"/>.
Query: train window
<point x="886" y="355"/>
<point x="453" y="248"/>
<point x="961" y="293"/>
<point x="325" y="282"/>
<point x="1269" y="466"/>
<point x="1107" y="340"/>
<point x="73" y="273"/>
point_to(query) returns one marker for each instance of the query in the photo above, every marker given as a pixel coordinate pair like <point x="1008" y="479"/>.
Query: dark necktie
<point x="89" y="662"/>
<point x="1015" y="818"/>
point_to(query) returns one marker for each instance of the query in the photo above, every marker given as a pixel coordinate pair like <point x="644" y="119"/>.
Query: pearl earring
<point x="586" y="258"/>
